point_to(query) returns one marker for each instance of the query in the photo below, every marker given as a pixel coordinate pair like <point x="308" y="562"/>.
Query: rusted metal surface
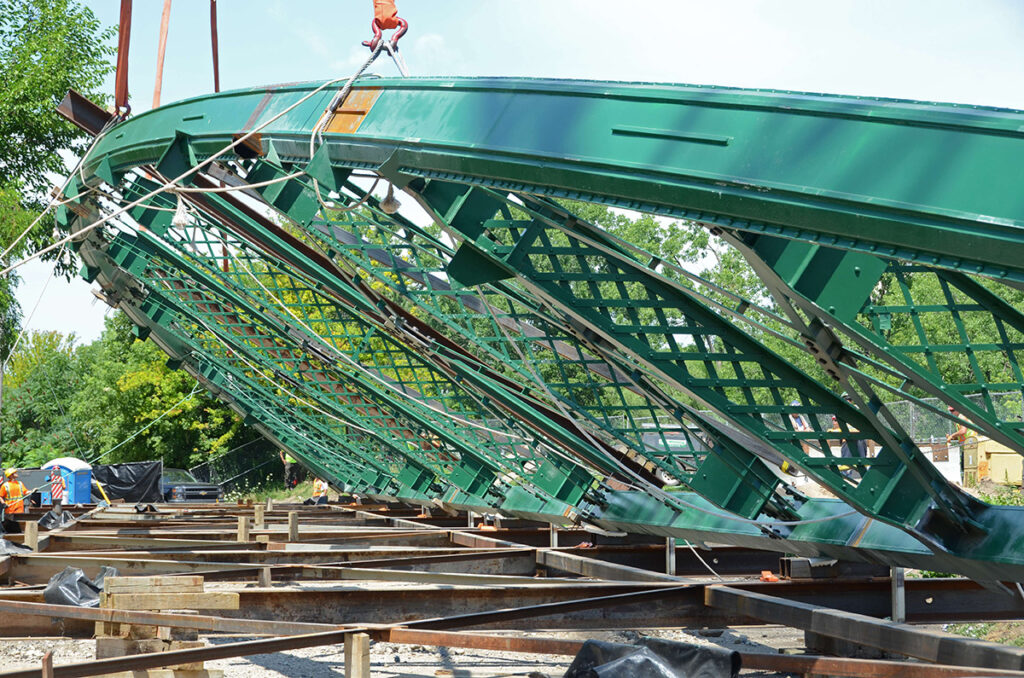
<point x="903" y="639"/>
<point x="478" y="605"/>
<point x="860" y="668"/>
<point x="83" y="113"/>
<point x="185" y="621"/>
<point x="155" y="660"/>
<point x="480" y="641"/>
<point x="474" y="579"/>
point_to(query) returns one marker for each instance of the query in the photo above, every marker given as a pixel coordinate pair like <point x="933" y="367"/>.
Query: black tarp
<point x="52" y="520"/>
<point x="137" y="481"/>
<point x="653" y="658"/>
<point x="71" y="587"/>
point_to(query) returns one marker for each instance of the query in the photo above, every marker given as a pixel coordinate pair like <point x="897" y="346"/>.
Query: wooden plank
<point x="121" y="647"/>
<point x="163" y="585"/>
<point x="144" y="631"/>
<point x="357" y="655"/>
<point x="144" y="582"/>
<point x="173" y="601"/>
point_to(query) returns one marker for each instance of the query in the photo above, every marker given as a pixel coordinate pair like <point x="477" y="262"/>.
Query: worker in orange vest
<point x="13" y="492"/>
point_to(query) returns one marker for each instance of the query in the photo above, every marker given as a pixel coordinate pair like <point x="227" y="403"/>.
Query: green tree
<point x="115" y="397"/>
<point x="46" y="48"/>
<point x="42" y="380"/>
<point x="126" y="386"/>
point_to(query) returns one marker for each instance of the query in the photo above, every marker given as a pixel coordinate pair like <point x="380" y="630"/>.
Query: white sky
<point x="938" y="50"/>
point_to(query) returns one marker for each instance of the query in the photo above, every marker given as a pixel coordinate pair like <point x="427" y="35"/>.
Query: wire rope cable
<point x="170" y="183"/>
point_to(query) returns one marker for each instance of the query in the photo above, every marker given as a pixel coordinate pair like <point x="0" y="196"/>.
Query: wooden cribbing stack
<point x="156" y="593"/>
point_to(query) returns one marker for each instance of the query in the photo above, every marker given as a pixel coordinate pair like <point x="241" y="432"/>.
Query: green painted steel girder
<point x="655" y="148"/>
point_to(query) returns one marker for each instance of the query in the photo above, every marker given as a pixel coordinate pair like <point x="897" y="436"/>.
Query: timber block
<point x="172" y="601"/>
<point x="107" y="648"/>
<point x="143" y="632"/>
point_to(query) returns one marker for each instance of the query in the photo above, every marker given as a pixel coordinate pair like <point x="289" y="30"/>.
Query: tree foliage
<point x="114" y="398"/>
<point x="46" y="48"/>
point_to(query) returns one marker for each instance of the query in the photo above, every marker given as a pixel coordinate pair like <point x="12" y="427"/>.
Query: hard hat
<point x="10" y="472"/>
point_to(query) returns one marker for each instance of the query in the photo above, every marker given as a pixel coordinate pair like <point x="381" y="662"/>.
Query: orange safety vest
<point x="319" y="488"/>
<point x="13" y="492"/>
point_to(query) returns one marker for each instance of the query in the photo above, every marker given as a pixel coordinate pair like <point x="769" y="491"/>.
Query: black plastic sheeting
<point x="653" y="658"/>
<point x="9" y="548"/>
<point x="52" y="520"/>
<point x="137" y="481"/>
<point x="72" y="587"/>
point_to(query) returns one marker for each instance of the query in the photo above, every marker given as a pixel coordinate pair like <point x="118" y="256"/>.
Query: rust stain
<point x="352" y="111"/>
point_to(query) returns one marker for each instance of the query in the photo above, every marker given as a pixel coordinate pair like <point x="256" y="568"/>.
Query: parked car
<point x="676" y="448"/>
<point x="178" y="485"/>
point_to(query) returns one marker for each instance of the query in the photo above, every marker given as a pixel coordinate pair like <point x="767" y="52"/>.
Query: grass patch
<point x="1005" y="633"/>
<point x="300" y="492"/>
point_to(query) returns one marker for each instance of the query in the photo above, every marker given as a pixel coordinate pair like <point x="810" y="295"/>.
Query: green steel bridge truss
<point x="496" y="352"/>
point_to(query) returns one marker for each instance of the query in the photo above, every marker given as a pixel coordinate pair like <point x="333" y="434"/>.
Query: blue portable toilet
<point x="77" y="480"/>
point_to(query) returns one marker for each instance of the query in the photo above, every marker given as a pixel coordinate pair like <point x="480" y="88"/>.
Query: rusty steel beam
<point x="260" y="627"/>
<point x="861" y="668"/>
<point x="140" y="662"/>
<point x="479" y="641"/>
<point x="903" y="639"/>
<point x="761" y="661"/>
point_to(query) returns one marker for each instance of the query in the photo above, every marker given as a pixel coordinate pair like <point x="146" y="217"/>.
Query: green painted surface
<point x="511" y="364"/>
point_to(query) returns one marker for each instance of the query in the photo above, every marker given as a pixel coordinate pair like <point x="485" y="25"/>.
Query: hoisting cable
<point x="385" y="18"/>
<point x="213" y="45"/>
<point x="124" y="38"/>
<point x="161" y="48"/>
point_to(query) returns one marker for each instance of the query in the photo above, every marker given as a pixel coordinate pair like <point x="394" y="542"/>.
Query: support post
<point x="469" y="519"/>
<point x="897" y="578"/>
<point x="270" y="505"/>
<point x="243" y="529"/>
<point x="258" y="520"/>
<point x="265" y="578"/>
<point x="553" y="532"/>
<point x="670" y="555"/>
<point x="293" y="526"/>
<point x="47" y="671"/>
<point x="31" y="534"/>
<point x="357" y="655"/>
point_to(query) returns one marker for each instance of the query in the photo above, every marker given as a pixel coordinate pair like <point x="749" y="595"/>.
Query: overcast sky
<point x="936" y="50"/>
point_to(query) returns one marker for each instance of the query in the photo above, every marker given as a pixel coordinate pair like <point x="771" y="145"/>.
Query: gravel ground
<point x="410" y="661"/>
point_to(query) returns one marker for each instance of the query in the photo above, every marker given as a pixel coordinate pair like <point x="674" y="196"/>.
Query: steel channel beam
<point x="892" y="637"/>
<point x="803" y="665"/>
